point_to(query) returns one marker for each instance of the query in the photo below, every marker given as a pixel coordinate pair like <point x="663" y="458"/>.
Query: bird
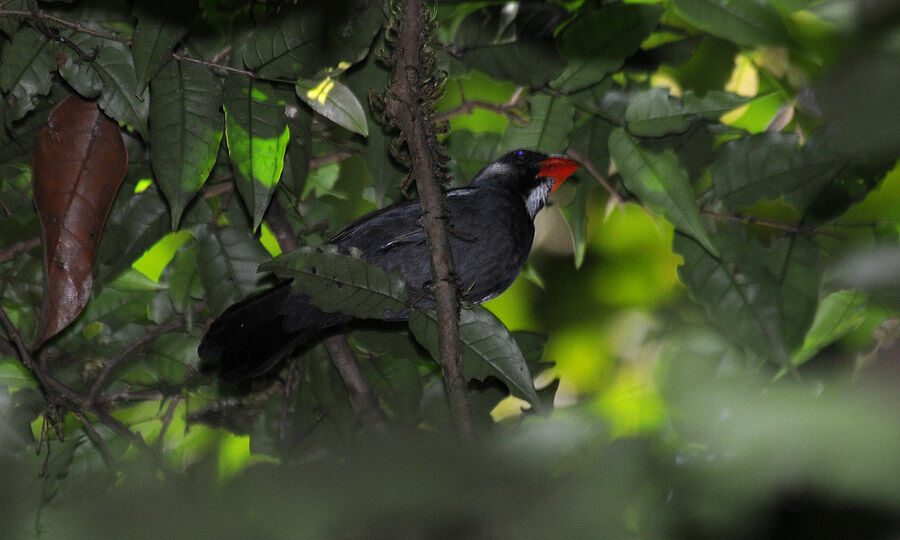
<point x="491" y="230"/>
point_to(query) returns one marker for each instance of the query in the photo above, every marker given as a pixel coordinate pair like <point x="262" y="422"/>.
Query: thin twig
<point x="19" y="247"/>
<point x="289" y="384"/>
<point x="96" y="438"/>
<point x="213" y="65"/>
<point x="753" y="220"/>
<point x="113" y="364"/>
<point x="44" y="17"/>
<point x="600" y="177"/>
<point x="167" y="420"/>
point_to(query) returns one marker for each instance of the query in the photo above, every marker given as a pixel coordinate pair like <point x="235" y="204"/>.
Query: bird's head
<point x="533" y="175"/>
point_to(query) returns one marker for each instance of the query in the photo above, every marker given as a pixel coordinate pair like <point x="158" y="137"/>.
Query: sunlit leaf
<point x="660" y="182"/>
<point x="257" y="133"/>
<point x="334" y="101"/>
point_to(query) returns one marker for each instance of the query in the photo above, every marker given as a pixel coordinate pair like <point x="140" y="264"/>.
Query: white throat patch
<point x="538" y="198"/>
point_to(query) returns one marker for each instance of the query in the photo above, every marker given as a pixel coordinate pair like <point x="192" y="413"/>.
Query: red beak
<point x="558" y="168"/>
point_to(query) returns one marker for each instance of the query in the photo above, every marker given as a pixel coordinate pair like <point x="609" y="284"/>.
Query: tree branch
<point x="406" y="108"/>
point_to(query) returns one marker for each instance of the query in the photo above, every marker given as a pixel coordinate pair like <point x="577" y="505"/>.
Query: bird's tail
<point x="253" y="335"/>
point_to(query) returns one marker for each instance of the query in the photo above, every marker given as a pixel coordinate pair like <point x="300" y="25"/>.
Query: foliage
<point x="750" y="143"/>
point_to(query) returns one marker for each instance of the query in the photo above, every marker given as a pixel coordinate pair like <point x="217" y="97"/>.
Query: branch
<point x="42" y="17"/>
<point x="405" y="105"/>
<point x="58" y="393"/>
<point x="600" y="177"/>
<point x="113" y="364"/>
<point x="362" y="396"/>
<point x="512" y="109"/>
<point x="19" y="247"/>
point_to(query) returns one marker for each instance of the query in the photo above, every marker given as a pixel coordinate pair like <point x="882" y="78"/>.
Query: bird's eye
<point x="520" y="154"/>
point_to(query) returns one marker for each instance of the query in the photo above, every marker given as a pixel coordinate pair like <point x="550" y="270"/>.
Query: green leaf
<point x="228" y="258"/>
<point x="576" y="214"/>
<point x="590" y="138"/>
<point x="487" y="347"/>
<point x="160" y="25"/>
<point x="257" y="133"/>
<point x="14" y="376"/>
<point x="552" y="118"/>
<point x="288" y="45"/>
<point x="313" y="38"/>
<point x="28" y="61"/>
<point x="335" y="102"/>
<point x="110" y="76"/>
<point x="185" y="100"/>
<point x="185" y="281"/>
<point x="598" y="41"/>
<point x="839" y="313"/>
<point x="768" y="166"/>
<point x="655" y="113"/>
<point x="471" y="152"/>
<point x="515" y="45"/>
<point x="746" y="22"/>
<point x="137" y="220"/>
<point x="341" y="283"/>
<point x="661" y="183"/>
<point x="763" y="298"/>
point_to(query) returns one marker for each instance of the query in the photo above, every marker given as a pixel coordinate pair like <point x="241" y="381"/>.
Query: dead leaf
<point x="78" y="164"/>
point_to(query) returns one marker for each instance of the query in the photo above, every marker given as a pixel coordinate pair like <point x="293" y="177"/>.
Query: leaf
<point x="79" y="162"/>
<point x="471" y="152"/>
<point x="110" y="76"/>
<point x="28" y="61"/>
<point x="228" y="258"/>
<point x="185" y="100"/>
<point x="515" y="45"/>
<point x="552" y="118"/>
<point x="487" y="349"/>
<point x="746" y="22"/>
<point x="590" y="138"/>
<point x="763" y="298"/>
<point x="160" y="25"/>
<point x="597" y="42"/>
<point x="839" y="313"/>
<point x="313" y="38"/>
<point x="576" y="215"/>
<point x="257" y="133"/>
<point x="14" y="376"/>
<point x="136" y="221"/>
<point x="185" y="282"/>
<point x="335" y="102"/>
<point x="341" y="283"/>
<point x="767" y="166"/>
<point x="655" y="113"/>
<point x="661" y="183"/>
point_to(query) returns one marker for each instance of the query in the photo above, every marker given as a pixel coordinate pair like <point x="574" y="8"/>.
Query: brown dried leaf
<point x="78" y="164"/>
